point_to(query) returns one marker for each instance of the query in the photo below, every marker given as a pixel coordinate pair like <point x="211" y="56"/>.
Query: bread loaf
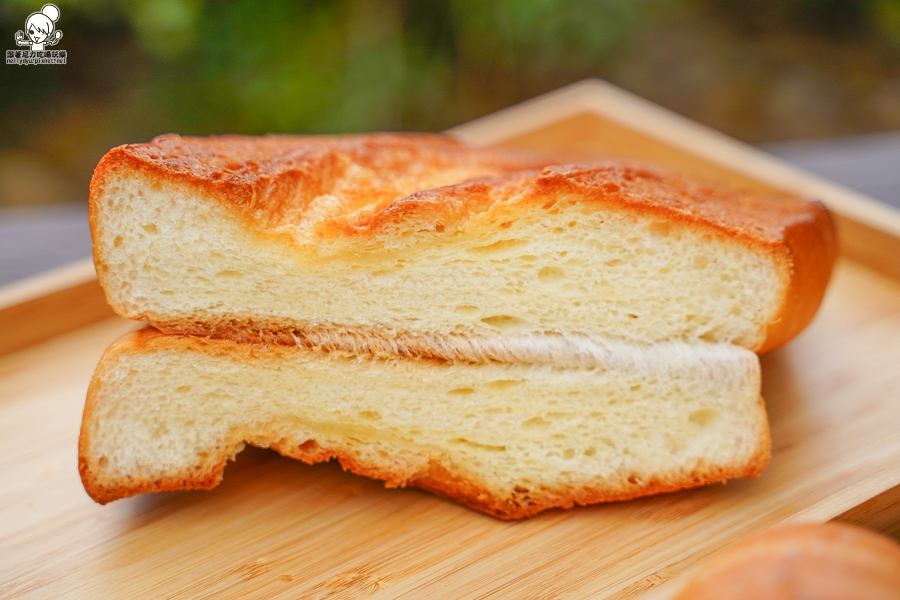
<point x="433" y="315"/>
<point x="831" y="561"/>
<point x="560" y="422"/>
<point x="256" y="238"/>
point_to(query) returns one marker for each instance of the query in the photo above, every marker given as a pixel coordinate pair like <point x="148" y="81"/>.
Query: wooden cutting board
<point x="279" y="529"/>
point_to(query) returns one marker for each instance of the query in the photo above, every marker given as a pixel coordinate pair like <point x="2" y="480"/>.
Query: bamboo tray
<point x="279" y="529"/>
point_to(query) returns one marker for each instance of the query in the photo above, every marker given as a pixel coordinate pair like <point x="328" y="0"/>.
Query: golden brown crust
<point x="829" y="561"/>
<point x="811" y="252"/>
<point x="523" y="502"/>
<point x="464" y="488"/>
<point x="269" y="182"/>
<point x="461" y="488"/>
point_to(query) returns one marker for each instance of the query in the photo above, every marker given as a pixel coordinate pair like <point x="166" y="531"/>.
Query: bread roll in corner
<point x="830" y="561"/>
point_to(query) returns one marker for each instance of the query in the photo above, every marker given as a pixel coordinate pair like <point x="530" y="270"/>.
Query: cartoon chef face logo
<point x="40" y="27"/>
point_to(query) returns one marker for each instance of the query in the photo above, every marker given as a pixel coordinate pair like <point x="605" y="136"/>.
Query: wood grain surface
<point x="37" y="308"/>
<point x="279" y="529"/>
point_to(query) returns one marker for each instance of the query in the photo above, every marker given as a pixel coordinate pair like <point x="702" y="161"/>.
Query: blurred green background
<point x="759" y="70"/>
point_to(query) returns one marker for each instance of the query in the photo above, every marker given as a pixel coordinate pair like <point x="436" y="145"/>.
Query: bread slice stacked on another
<point x="433" y="315"/>
<point x="208" y="237"/>
<point x="510" y="438"/>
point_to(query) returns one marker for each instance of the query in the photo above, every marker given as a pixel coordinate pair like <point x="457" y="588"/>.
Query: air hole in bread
<point x="505" y="322"/>
<point x="229" y="273"/>
<point x="461" y="391"/>
<point x="370" y="415"/>
<point x="467" y="442"/>
<point x="551" y="274"/>
<point x="502" y="384"/>
<point x="496" y="247"/>
<point x="704" y="417"/>
<point x="662" y="228"/>
<point x="309" y="446"/>
<point x="466" y="309"/>
<point x="118" y="241"/>
<point x="151" y="228"/>
<point x="536" y="423"/>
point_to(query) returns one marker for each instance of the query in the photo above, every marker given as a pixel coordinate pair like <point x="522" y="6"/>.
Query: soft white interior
<point x="654" y="411"/>
<point x="567" y="266"/>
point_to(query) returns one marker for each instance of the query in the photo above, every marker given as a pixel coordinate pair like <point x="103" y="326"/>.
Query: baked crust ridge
<point x="437" y="479"/>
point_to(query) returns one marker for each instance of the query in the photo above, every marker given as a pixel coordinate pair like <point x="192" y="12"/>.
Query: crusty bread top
<point x="275" y="178"/>
<point x="380" y="177"/>
<point x="351" y="193"/>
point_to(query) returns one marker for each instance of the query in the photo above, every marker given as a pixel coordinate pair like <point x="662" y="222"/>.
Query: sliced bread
<point x="566" y="421"/>
<point x="261" y="238"/>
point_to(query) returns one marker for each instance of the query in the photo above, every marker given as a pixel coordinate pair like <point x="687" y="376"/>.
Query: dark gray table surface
<point x="35" y="239"/>
<point x="868" y="164"/>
